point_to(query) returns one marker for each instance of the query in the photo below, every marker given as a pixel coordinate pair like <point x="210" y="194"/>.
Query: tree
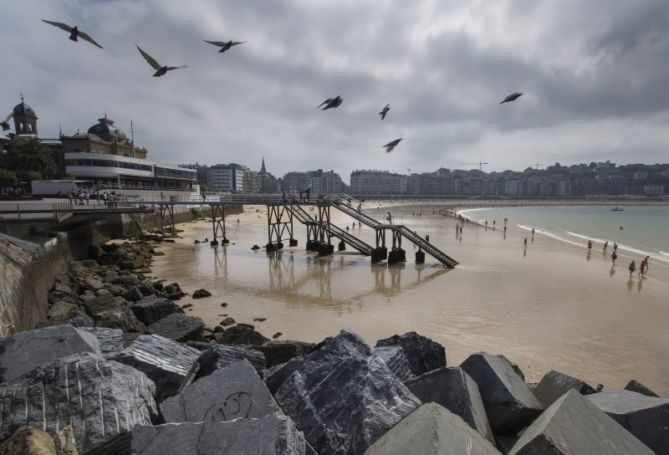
<point x="30" y="155"/>
<point x="32" y="175"/>
<point x="7" y="179"/>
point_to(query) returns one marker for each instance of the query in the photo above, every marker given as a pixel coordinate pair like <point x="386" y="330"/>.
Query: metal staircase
<point x="306" y="219"/>
<point x="426" y="246"/>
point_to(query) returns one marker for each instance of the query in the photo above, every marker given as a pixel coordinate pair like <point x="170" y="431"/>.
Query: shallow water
<point x="551" y="306"/>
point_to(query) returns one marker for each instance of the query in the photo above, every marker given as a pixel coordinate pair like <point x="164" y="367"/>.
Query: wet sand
<point x="550" y="307"/>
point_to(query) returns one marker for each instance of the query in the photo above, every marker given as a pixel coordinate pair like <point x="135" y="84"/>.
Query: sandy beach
<point x="548" y="307"/>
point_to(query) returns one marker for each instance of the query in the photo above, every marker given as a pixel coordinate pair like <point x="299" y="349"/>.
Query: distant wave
<point x="622" y="246"/>
<point x="538" y="230"/>
<point x="465" y="213"/>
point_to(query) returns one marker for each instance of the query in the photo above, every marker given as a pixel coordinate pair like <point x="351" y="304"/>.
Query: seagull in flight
<point x="391" y="145"/>
<point x="384" y="111"/>
<point x="224" y="45"/>
<point x="331" y="103"/>
<point x="512" y="97"/>
<point x="74" y="32"/>
<point x="5" y="123"/>
<point x="160" y="70"/>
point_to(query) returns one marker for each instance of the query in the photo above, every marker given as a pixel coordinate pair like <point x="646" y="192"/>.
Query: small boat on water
<point x="617" y="209"/>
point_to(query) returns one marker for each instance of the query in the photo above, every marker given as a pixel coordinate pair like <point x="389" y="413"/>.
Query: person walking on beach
<point x="632" y="268"/>
<point x="525" y="243"/>
<point x="642" y="269"/>
<point x="645" y="262"/>
<point x="589" y="245"/>
<point x="606" y="245"/>
<point x="614" y="256"/>
<point x="505" y="220"/>
<point x="615" y="247"/>
<point x="389" y="218"/>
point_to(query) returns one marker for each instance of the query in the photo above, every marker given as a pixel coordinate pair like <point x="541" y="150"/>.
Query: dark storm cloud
<point x="593" y="75"/>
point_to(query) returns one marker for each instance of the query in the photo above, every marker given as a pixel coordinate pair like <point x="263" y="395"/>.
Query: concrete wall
<point x="28" y="272"/>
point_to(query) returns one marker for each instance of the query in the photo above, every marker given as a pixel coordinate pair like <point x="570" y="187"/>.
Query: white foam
<point x="548" y="234"/>
<point x="622" y="246"/>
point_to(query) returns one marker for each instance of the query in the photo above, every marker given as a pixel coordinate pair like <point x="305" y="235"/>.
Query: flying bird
<point x="391" y="145"/>
<point x="74" y="32"/>
<point x="331" y="103"/>
<point x="160" y="70"/>
<point x="384" y="111"/>
<point x="5" y="123"/>
<point x="224" y="45"/>
<point x="512" y="97"/>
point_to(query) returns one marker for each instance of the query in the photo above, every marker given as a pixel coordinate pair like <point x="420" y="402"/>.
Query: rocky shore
<point x="118" y="367"/>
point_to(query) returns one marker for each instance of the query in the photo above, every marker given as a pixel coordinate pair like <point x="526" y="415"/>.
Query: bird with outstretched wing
<point x="160" y="70"/>
<point x="225" y="45"/>
<point x="74" y="32"/>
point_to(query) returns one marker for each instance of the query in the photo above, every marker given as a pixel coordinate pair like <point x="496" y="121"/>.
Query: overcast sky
<point x="595" y="78"/>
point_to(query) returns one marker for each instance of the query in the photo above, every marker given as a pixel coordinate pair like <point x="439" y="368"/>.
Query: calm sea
<point x="641" y="230"/>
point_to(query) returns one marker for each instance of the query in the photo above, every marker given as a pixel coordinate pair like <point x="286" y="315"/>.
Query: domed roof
<point x="23" y="110"/>
<point x="106" y="130"/>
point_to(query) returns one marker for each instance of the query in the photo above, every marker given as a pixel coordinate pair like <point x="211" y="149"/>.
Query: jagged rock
<point x="173" y="291"/>
<point x="423" y="353"/>
<point x="220" y="356"/>
<point x="133" y="294"/>
<point x="29" y="441"/>
<point x="271" y="435"/>
<point x="110" y="340"/>
<point x="178" y="327"/>
<point x="91" y="283"/>
<point x="275" y="376"/>
<point x="555" y="384"/>
<point x="62" y="310"/>
<point x="165" y="361"/>
<point x="432" y="430"/>
<point x="636" y="386"/>
<point x="509" y="403"/>
<point x="226" y="394"/>
<point x="110" y="311"/>
<point x="343" y="396"/>
<point x="102" y="291"/>
<point x="514" y="365"/>
<point x="116" y="289"/>
<point x="573" y="425"/>
<point x="396" y="360"/>
<point x="24" y="351"/>
<point x="61" y="288"/>
<point x="645" y="417"/>
<point x="98" y="397"/>
<point x="201" y="293"/>
<point x="278" y="352"/>
<point x="151" y="309"/>
<point x="241" y="334"/>
<point x="227" y="321"/>
<point x="200" y="345"/>
<point x="80" y="320"/>
<point x="453" y="389"/>
<point x="146" y="289"/>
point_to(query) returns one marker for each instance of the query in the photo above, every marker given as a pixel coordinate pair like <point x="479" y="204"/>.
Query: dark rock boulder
<point x="221" y="356"/>
<point x="343" y="396"/>
<point x="201" y="293"/>
<point x="396" y="360"/>
<point x="278" y="352"/>
<point x="274" y="377"/>
<point x="423" y="353"/>
<point x="555" y="384"/>
<point x="636" y="386"/>
<point x="24" y="351"/>
<point x="80" y="319"/>
<point x="226" y="394"/>
<point x="271" y="435"/>
<point x="98" y="397"/>
<point x="509" y="403"/>
<point x="453" y="389"/>
<point x="110" y="340"/>
<point x="178" y="327"/>
<point x="133" y="294"/>
<point x="432" y="430"/>
<point x="151" y="309"/>
<point x="173" y="291"/>
<point x="645" y="417"/>
<point x="573" y="425"/>
<point x="165" y="361"/>
<point x="110" y="311"/>
<point x="241" y="334"/>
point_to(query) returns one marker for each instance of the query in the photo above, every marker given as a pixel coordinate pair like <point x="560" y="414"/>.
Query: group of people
<point x="643" y="268"/>
<point x="295" y="197"/>
<point x="643" y="265"/>
<point x="79" y="197"/>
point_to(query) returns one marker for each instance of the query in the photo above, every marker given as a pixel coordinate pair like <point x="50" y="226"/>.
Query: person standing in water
<point x="589" y="245"/>
<point x="615" y="247"/>
<point x="632" y="268"/>
<point x="606" y="245"/>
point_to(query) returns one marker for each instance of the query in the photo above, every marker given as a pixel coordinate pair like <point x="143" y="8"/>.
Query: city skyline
<point x="591" y="91"/>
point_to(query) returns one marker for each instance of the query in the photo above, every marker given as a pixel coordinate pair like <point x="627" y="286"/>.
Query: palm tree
<point x="30" y="155"/>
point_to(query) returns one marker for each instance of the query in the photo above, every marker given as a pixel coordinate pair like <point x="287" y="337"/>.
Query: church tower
<point x="262" y="167"/>
<point x="25" y="120"/>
